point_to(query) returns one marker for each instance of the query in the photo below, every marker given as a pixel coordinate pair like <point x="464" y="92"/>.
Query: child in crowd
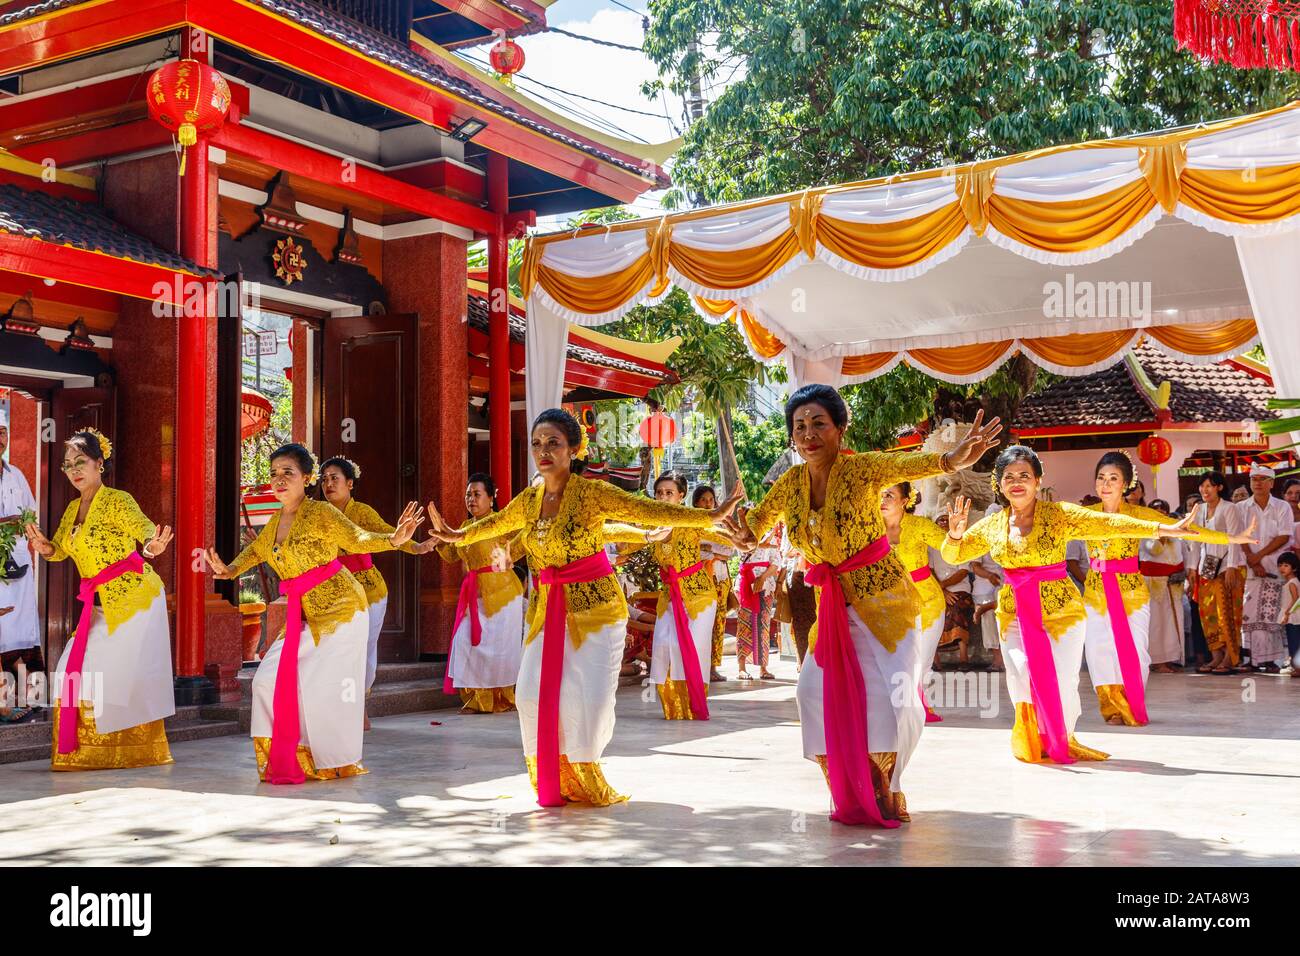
<point x="1288" y="566"/>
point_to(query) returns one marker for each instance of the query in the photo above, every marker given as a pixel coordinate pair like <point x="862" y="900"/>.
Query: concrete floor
<point x="1213" y="781"/>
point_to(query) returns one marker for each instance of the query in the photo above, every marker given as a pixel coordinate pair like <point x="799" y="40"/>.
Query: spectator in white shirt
<point x="1263" y="639"/>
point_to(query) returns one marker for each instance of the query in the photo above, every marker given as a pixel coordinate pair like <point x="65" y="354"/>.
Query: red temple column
<point x="192" y="499"/>
<point x="499" y="327"/>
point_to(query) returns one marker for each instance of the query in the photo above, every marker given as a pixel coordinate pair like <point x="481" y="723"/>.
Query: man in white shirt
<point x="20" y="642"/>
<point x="1262" y="636"/>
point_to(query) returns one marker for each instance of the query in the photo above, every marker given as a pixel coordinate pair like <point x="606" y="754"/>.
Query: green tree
<point x="758" y="446"/>
<point x="829" y="91"/>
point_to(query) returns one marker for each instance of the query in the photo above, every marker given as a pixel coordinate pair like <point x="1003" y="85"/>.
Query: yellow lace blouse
<point x="916" y="536"/>
<point x="578" y="531"/>
<point x="367" y="519"/>
<point x="318" y="535"/>
<point x="680" y="551"/>
<point x="881" y="593"/>
<point x="1132" y="587"/>
<point x="496" y="589"/>
<point x="113" y="527"/>
<point x="1056" y="523"/>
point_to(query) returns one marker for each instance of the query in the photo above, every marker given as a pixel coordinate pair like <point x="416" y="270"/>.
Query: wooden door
<point x="368" y="394"/>
<point x="73" y="409"/>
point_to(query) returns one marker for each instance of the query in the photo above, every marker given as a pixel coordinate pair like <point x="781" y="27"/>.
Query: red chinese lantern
<point x="1154" y="451"/>
<point x="587" y="418"/>
<point x="190" y="99"/>
<point x="507" y="58"/>
<point x="1249" y="34"/>
<point x="658" y="431"/>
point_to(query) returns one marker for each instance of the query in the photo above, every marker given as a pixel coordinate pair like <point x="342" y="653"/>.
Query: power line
<point x="590" y="99"/>
<point x="579" y="36"/>
<point x="618" y="3"/>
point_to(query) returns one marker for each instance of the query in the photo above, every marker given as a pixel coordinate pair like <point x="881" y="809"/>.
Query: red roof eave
<point x="95" y="270"/>
<point x="82" y="29"/>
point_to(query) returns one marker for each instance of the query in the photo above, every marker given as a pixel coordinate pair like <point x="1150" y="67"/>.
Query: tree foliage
<point x="831" y="91"/>
<point x="828" y="91"/>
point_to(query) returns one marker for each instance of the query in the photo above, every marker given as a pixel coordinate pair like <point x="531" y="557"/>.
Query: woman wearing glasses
<point x="113" y="685"/>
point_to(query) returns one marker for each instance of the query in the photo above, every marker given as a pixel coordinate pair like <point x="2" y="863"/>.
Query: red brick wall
<point x="426" y="275"/>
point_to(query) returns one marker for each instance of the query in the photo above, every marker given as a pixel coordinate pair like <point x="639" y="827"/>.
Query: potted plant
<point x="252" y="607"/>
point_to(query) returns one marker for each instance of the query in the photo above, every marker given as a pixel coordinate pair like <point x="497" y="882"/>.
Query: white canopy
<point x="1187" y="239"/>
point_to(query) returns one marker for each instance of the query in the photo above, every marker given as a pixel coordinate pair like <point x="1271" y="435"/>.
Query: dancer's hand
<point x="657" y="534"/>
<point x="500" y="558"/>
<point x="41" y="544"/>
<point x="737" y="528"/>
<point x="441" y="532"/>
<point x="412" y="517"/>
<point x="1181" y="529"/>
<point x="977" y="441"/>
<point x="958" y="517"/>
<point x="724" y="510"/>
<point x="220" y="570"/>
<point x="1250" y="537"/>
<point x="162" y="536"/>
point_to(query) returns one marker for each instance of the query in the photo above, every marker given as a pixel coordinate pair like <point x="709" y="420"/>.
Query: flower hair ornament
<point x="105" y="446"/>
<point x="582" y="447"/>
<point x="1132" y="470"/>
<point x="314" y="476"/>
<point x="356" y="469"/>
<point x="913" y="497"/>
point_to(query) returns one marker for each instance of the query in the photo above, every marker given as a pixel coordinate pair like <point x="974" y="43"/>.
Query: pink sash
<point x="1130" y="667"/>
<point x="1043" y="686"/>
<point x="844" y="694"/>
<point x="917" y="576"/>
<point x="467" y="603"/>
<point x="591" y="568"/>
<point x="357" y="562"/>
<point x="685" y="643"/>
<point x="282" y="765"/>
<point x="70" y="700"/>
<point x="748" y="572"/>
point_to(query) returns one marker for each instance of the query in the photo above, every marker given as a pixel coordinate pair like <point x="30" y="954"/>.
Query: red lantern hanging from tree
<point x="1154" y="451"/>
<point x="657" y="431"/>
<point x="190" y="99"/>
<point x="1248" y="34"/>
<point x="507" y="58"/>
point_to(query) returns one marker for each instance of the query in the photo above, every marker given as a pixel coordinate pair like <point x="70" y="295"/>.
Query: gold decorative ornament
<point x="289" y="261"/>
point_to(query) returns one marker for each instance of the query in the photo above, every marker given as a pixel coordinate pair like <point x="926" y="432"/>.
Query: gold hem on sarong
<point x="144" y="745"/>
<point x="580" y="783"/>
<point x="262" y="748"/>
<point x="487" y="700"/>
<point x="892" y="803"/>
<point x="1114" y="703"/>
<point x="1027" y="743"/>
<point x="675" y="699"/>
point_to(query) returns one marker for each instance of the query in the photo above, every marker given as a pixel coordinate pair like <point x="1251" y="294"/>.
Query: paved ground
<point x="1212" y="781"/>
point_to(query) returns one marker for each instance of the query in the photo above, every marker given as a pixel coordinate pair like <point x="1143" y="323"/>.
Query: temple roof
<point x="38" y="215"/>
<point x="1218" y="392"/>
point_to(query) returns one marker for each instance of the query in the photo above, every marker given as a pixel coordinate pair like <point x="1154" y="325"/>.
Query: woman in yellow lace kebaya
<point x="715" y="558"/>
<point x="309" y="690"/>
<point x="683" y="637"/>
<point x="1217" y="577"/>
<point x="337" y="481"/>
<point x="488" y="638"/>
<point x="113" y="685"/>
<point x="577" y="616"/>
<point x="912" y="536"/>
<point x="1118" y="601"/>
<point x="856" y="720"/>
<point x="1040" y="612"/>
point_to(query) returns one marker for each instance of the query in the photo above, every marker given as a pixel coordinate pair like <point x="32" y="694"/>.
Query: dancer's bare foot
<point x="365" y="721"/>
<point x="1115" y="719"/>
<point x="1162" y="669"/>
